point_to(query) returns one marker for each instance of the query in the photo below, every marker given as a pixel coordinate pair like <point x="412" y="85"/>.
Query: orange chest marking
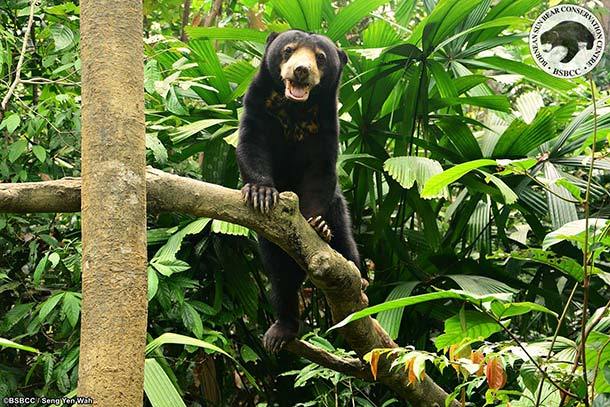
<point x="298" y="122"/>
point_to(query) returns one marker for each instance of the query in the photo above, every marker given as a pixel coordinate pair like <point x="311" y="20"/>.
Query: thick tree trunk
<point x="327" y="269"/>
<point x="113" y="202"/>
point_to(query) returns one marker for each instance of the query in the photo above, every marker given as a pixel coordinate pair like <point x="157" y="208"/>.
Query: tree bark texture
<point x="186" y="14"/>
<point x="284" y="225"/>
<point x="113" y="204"/>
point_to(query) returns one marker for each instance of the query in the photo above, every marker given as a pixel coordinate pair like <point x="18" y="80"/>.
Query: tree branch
<point x="351" y="366"/>
<point x="338" y="278"/>
<point x="24" y="46"/>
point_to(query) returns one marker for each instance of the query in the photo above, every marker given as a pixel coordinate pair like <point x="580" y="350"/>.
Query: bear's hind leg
<point x="286" y="278"/>
<point x="342" y="240"/>
<point x="572" y="46"/>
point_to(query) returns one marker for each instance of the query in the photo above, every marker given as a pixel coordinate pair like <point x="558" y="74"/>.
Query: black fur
<point x="293" y="146"/>
<point x="568" y="34"/>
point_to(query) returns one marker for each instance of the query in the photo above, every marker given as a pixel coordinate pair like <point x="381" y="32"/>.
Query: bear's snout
<point x="301" y="73"/>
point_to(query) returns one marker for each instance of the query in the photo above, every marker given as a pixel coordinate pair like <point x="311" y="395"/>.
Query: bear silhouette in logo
<point x="570" y="35"/>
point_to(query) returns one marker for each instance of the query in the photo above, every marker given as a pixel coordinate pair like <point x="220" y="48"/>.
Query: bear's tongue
<point x="295" y="92"/>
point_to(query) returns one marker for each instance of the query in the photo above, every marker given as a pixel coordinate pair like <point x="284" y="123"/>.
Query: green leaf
<point x="11" y="122"/>
<point x="465" y="326"/>
<point x="206" y="56"/>
<point x="167" y="267"/>
<point x="602" y="400"/>
<point x="227" y="228"/>
<point x="461" y="137"/>
<point x="597" y="350"/>
<point x="183" y="132"/>
<point x="502" y="311"/>
<point x="418" y="299"/>
<point x="152" y="74"/>
<point x="312" y="10"/>
<point x="177" y="339"/>
<point x="63" y="9"/>
<point x="158" y="149"/>
<point x="172" y="338"/>
<point x="169" y="250"/>
<point x="435" y="184"/>
<point x="173" y="104"/>
<point x="40" y="153"/>
<point x="291" y="11"/>
<point x="480" y="285"/>
<point x="444" y="19"/>
<point x="159" y="388"/>
<point x="527" y="71"/>
<point x="192" y="320"/>
<point x="49" y="305"/>
<point x="444" y="83"/>
<point x="241" y="73"/>
<point x="227" y="33"/>
<point x="153" y="283"/>
<point x="520" y="138"/>
<point x="350" y="15"/>
<point x="560" y="209"/>
<point x="17" y="149"/>
<point x="71" y="308"/>
<point x="248" y="355"/>
<point x="40" y="268"/>
<point x="574" y="231"/>
<point x="493" y="102"/>
<point x="14" y="315"/>
<point x="5" y="343"/>
<point x="408" y="170"/>
<point x="500" y="22"/>
<point x="509" y="196"/>
<point x="54" y="259"/>
<point x="62" y="36"/>
<point x="564" y="264"/>
<point x="570" y="187"/>
<point x="390" y="320"/>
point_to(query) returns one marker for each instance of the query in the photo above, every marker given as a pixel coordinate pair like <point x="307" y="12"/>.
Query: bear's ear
<point x="342" y="57"/>
<point x="271" y="37"/>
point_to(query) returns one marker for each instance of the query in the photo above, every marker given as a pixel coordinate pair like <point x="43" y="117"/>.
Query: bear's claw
<point x="321" y="227"/>
<point x="278" y="335"/>
<point x="260" y="197"/>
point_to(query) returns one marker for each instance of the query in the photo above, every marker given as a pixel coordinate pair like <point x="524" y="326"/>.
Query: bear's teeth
<point x="296" y="92"/>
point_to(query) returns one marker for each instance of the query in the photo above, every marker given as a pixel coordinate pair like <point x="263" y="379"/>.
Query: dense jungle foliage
<point x="465" y="167"/>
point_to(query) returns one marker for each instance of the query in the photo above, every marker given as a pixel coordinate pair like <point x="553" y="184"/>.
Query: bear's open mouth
<point x="296" y="91"/>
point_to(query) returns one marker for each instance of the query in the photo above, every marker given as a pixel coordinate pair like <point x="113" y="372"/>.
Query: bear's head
<point x="549" y="39"/>
<point x="303" y="64"/>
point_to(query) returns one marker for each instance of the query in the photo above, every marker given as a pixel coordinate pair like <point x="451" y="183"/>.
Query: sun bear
<point x="568" y="34"/>
<point x="289" y="141"/>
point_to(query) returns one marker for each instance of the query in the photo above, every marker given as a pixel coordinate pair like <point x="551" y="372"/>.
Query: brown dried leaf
<point x="478" y="358"/>
<point x="374" y="362"/>
<point x="495" y="374"/>
<point x="412" y="376"/>
<point x="456" y="352"/>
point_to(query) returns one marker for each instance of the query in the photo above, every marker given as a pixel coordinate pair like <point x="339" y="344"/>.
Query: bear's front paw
<point x="321" y="227"/>
<point x="260" y="197"/>
<point x="278" y="335"/>
<point x="364" y="284"/>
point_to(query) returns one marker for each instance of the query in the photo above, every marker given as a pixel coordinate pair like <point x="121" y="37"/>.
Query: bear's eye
<point x="320" y="58"/>
<point x="288" y="51"/>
